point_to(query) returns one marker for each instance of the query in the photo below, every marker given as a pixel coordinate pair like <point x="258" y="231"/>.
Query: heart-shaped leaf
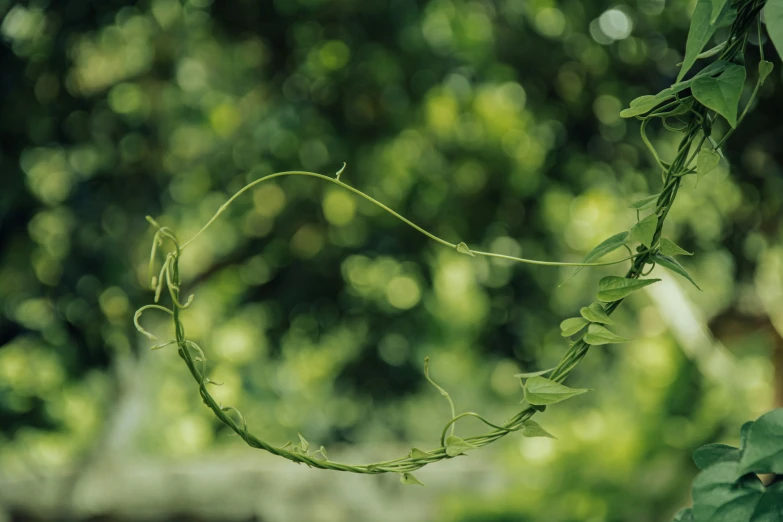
<point x="646" y="103"/>
<point x="571" y="326"/>
<point x="644" y="203"/>
<point x="699" y="33"/>
<point x="614" y="288"/>
<point x="533" y="429"/>
<point x="644" y="230"/>
<point x="605" y="247"/>
<point x="598" y="335"/>
<point x="672" y="264"/>
<point x="416" y="453"/>
<point x="764" y="448"/>
<point x="706" y="161"/>
<point x="721" y="94"/>
<point x="719" y="497"/>
<point x="669" y="248"/>
<point x="708" y="455"/>
<point x="457" y="446"/>
<point x="595" y="313"/>
<point x="410" y="480"/>
<point x="540" y="391"/>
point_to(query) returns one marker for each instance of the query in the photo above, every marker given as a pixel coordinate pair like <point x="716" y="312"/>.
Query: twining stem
<point x="377" y="203"/>
<point x="672" y="177"/>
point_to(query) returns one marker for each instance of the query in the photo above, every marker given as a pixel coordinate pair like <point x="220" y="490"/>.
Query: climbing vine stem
<point x="693" y="119"/>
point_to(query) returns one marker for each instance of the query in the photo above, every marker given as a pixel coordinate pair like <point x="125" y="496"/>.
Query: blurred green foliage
<point x="494" y="123"/>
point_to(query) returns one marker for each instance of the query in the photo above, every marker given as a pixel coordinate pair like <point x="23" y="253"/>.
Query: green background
<point x="493" y="123"/>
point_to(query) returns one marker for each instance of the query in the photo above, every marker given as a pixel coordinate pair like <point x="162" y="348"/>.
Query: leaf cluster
<point x="728" y="488"/>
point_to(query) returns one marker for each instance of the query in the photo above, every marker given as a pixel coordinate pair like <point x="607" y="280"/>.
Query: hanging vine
<point x="690" y="107"/>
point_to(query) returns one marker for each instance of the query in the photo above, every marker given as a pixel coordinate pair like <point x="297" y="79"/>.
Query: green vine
<point x="691" y="107"/>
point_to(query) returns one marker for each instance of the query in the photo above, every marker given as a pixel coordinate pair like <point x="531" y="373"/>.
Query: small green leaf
<point x="462" y="248"/>
<point x="598" y="335"/>
<point x="410" y="480"/>
<point x="540" y="391"/>
<point x="669" y="248"/>
<point x="708" y="455"/>
<point x="605" y="247"/>
<point x="773" y="14"/>
<point x="303" y="444"/>
<point x="721" y="94"/>
<point x="533" y="429"/>
<point x="673" y="265"/>
<point x="765" y="68"/>
<point x="644" y="203"/>
<point x="614" y="288"/>
<point x="322" y="450"/>
<point x="684" y="515"/>
<point x="699" y="33"/>
<point x="644" y="230"/>
<point x="595" y="313"/>
<point x="764" y="451"/>
<point x="532" y="374"/>
<point x="570" y="326"/>
<point x="416" y="453"/>
<point x="456" y="446"/>
<point x="707" y="160"/>
<point x="646" y="103"/>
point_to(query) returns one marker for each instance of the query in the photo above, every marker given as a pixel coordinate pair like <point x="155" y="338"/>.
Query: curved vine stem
<point x="693" y="117"/>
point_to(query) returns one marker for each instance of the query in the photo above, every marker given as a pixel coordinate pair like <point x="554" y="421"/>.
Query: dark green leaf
<point x="644" y="230"/>
<point x="571" y="326"/>
<point x="706" y="161"/>
<point x="773" y="14"/>
<point x="764" y="451"/>
<point x="673" y="265"/>
<point x="669" y="248"/>
<point x="533" y="429"/>
<point x="598" y="335"/>
<point x="595" y="313"/>
<point x="456" y="446"/>
<point x="540" y="391"/>
<point x="614" y="288"/>
<point x="644" y="203"/>
<point x="770" y="506"/>
<point x="700" y="32"/>
<point x="721" y="94"/>
<point x="717" y="497"/>
<point x="711" y="453"/>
